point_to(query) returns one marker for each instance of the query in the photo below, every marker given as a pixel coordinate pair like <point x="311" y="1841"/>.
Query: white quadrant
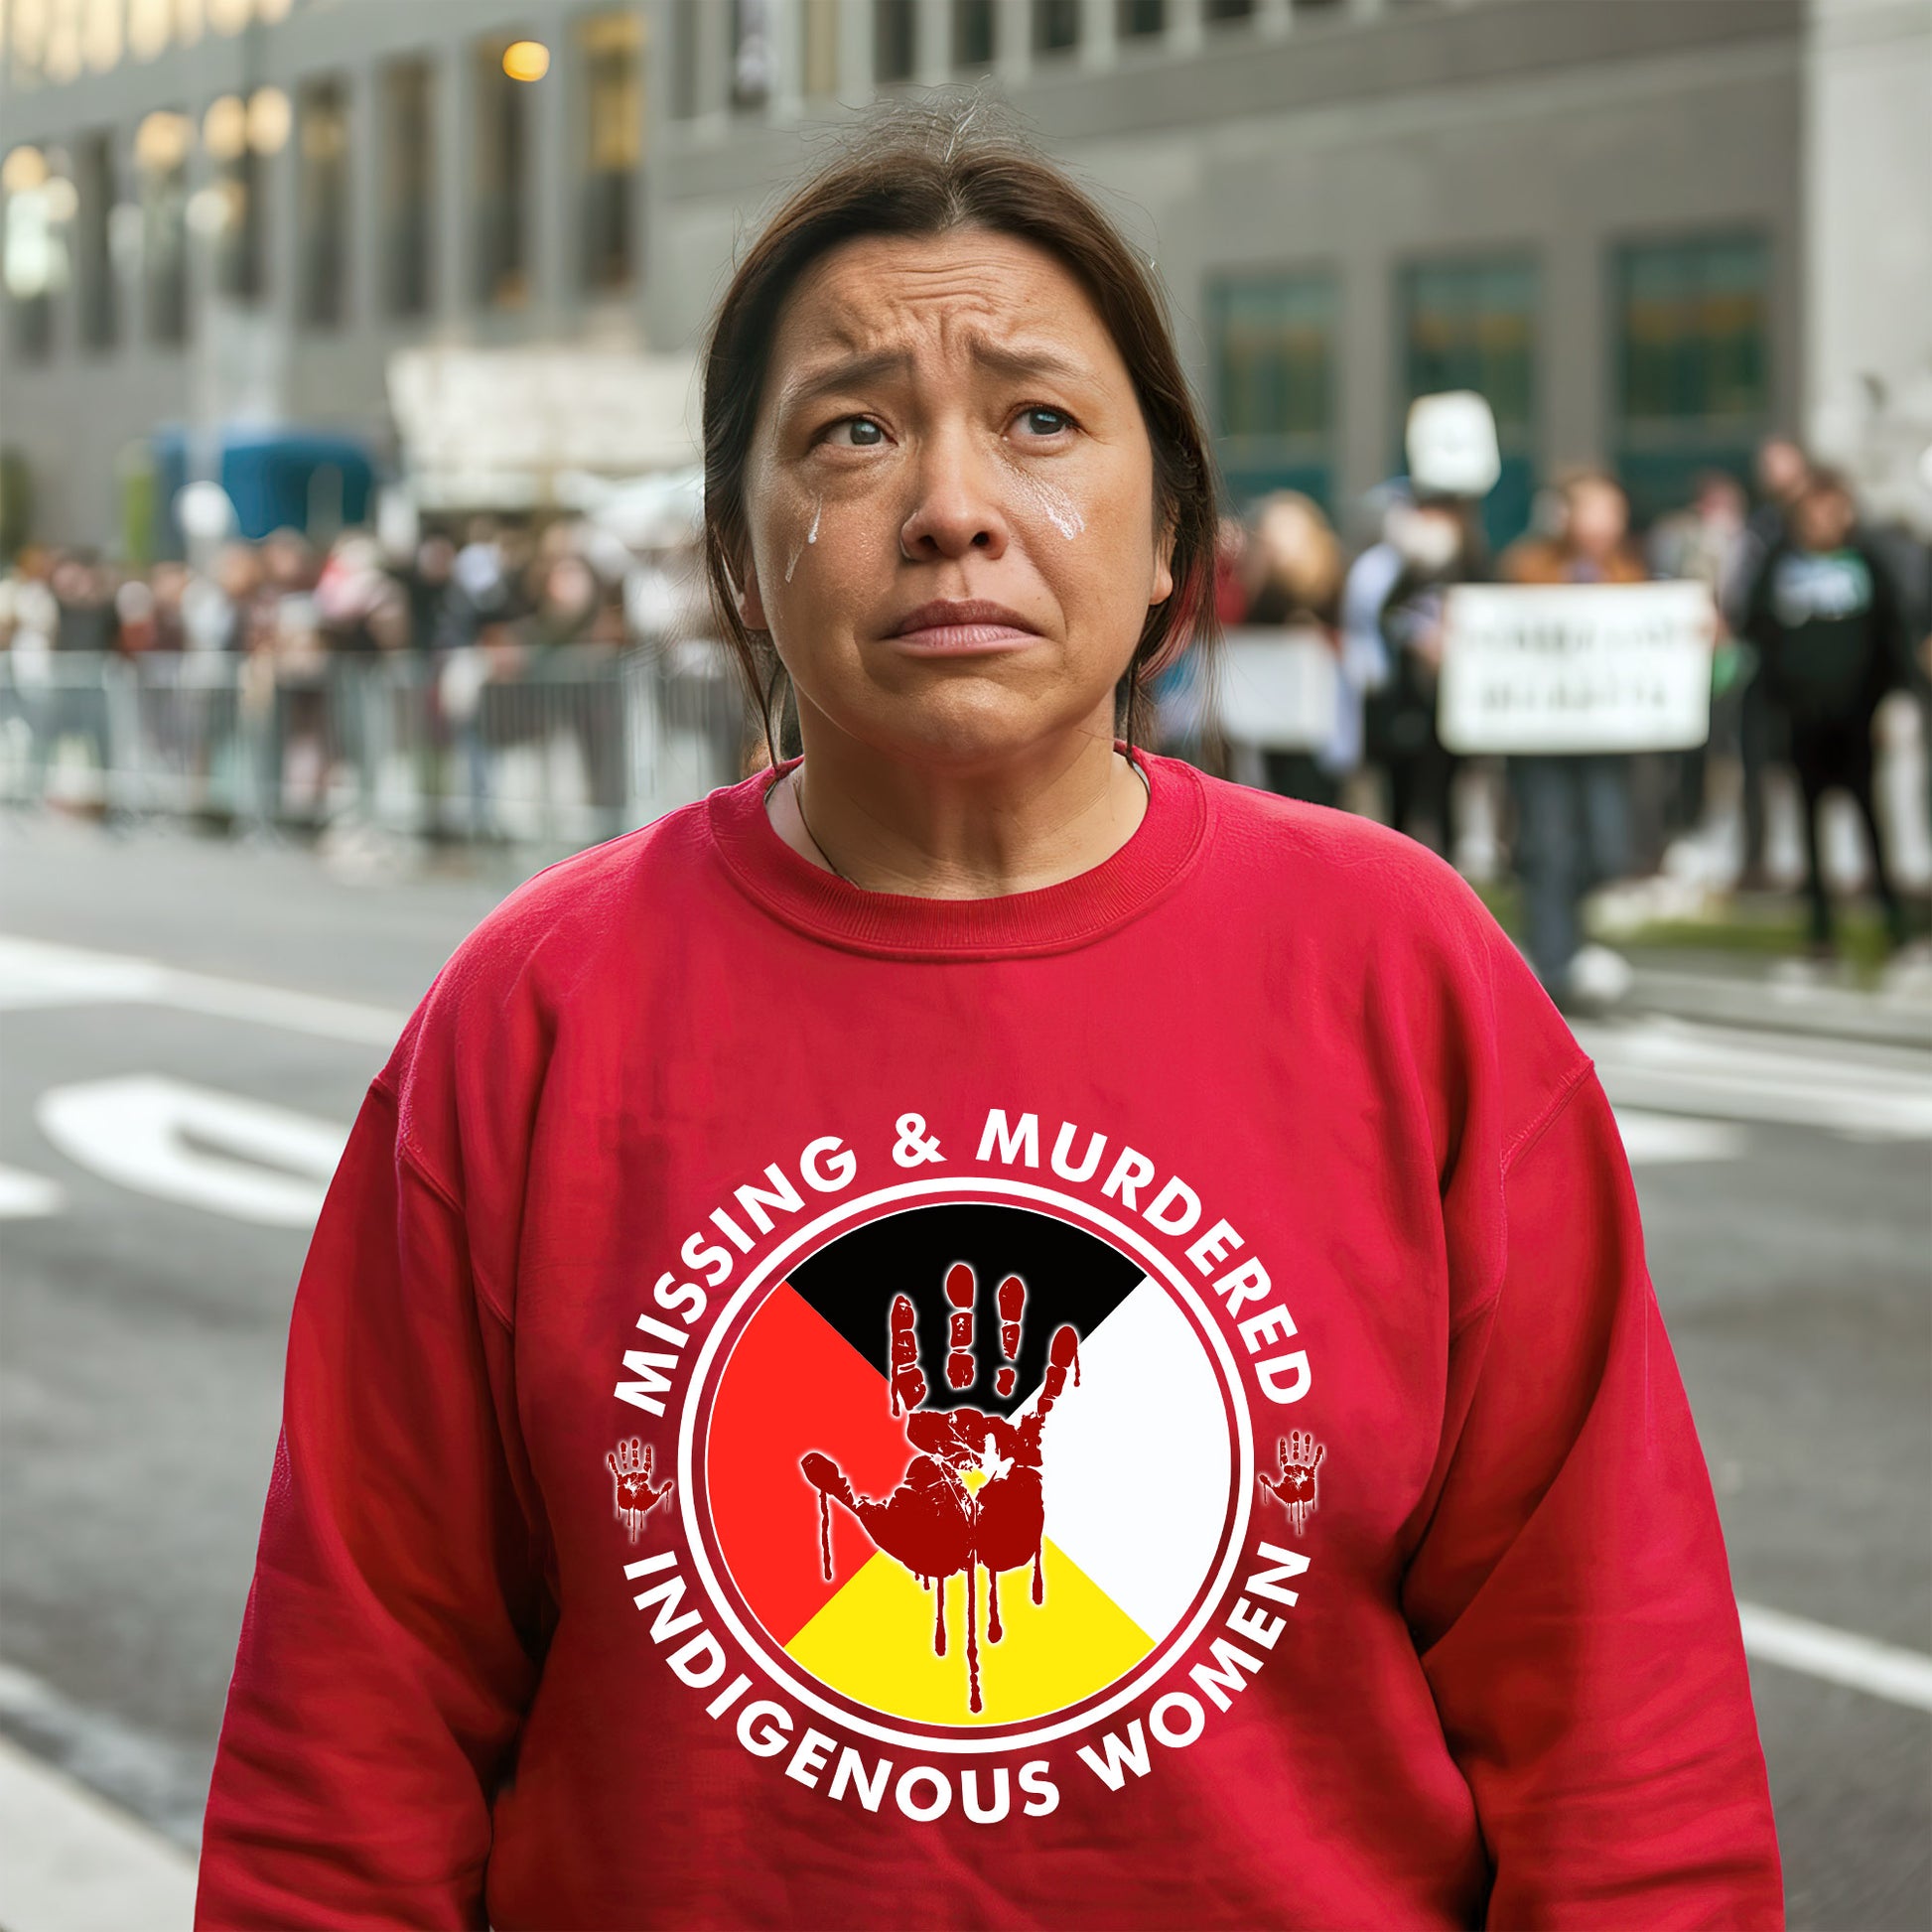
<point x="1138" y="1460"/>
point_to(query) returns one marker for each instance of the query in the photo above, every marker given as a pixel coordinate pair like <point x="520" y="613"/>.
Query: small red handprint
<point x="971" y="1497"/>
<point x="634" y="1494"/>
<point x="1294" y="1488"/>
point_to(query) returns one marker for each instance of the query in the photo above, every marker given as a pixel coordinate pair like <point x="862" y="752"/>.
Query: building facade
<point x="1649" y="233"/>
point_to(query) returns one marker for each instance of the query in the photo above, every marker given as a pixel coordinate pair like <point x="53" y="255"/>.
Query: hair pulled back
<point x="921" y="171"/>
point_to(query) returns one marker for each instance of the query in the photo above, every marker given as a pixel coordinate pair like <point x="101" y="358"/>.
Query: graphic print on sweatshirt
<point x="963" y="1469"/>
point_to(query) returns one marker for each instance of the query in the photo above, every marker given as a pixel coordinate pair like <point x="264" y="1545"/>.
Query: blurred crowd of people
<point x="1820" y="619"/>
<point x="514" y="588"/>
<point x="468" y="618"/>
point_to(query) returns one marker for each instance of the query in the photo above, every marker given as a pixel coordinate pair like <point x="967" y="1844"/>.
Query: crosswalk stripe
<point x="34" y="973"/>
<point x="1678" y="1066"/>
<point x="70" y="1861"/>
<point x="1882" y="1670"/>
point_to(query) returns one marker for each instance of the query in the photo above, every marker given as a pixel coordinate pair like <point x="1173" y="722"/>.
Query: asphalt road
<point x="1784" y="1183"/>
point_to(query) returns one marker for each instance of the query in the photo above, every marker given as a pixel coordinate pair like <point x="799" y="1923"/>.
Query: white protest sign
<point x="1576" y="667"/>
<point x="1451" y="440"/>
<point x="1276" y="689"/>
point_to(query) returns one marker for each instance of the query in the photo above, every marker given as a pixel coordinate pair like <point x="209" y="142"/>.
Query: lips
<point x="953" y="627"/>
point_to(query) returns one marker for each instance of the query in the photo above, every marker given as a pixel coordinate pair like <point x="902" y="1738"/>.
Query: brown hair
<point x="925" y="170"/>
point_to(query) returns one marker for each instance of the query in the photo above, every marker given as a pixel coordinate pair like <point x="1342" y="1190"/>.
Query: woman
<point x="979" y="1329"/>
<point x="1574" y="810"/>
<point x="1297" y="573"/>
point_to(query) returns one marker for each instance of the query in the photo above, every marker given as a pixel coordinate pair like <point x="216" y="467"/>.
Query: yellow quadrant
<point x="874" y="1643"/>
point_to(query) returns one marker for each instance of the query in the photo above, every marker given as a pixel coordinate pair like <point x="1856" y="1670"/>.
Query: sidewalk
<point x="1781" y="995"/>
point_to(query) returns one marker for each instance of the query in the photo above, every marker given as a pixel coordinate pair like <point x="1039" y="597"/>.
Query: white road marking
<point x="1844" y="1086"/>
<point x="180" y="1143"/>
<point x="1661" y="1140"/>
<point x="34" y="973"/>
<point x="70" y="1861"/>
<point x="1655" y="1064"/>
<point x="1882" y="1670"/>
<point x="28" y="1197"/>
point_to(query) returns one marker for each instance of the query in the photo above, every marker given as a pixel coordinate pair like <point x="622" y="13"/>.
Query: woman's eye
<point x="1060" y="419"/>
<point x="856" y="424"/>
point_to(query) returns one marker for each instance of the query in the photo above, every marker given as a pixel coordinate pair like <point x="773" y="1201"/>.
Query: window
<point x="613" y="140"/>
<point x="1271" y="339"/>
<point x="161" y="168"/>
<point x="819" y="28"/>
<point x="100" y="317"/>
<point x="972" y="33"/>
<point x="1056" y="26"/>
<point x="1471" y="325"/>
<point x="1142" y="19"/>
<point x="1692" y="379"/>
<point x="891" y="40"/>
<point x="750" y="53"/>
<point x="501" y="227"/>
<point x="408" y="187"/>
<point x="322" y="202"/>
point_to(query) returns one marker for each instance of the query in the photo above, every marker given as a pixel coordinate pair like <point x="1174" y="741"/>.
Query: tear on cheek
<point x="1050" y="501"/>
<point x="811" y="536"/>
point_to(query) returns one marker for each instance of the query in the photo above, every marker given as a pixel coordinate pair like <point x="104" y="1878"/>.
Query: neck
<point x="976" y="830"/>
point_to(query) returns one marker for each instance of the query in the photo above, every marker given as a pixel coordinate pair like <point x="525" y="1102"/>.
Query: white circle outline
<point x="962" y="1184"/>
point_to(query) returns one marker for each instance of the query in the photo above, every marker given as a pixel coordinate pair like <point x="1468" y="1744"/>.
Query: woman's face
<point x="946" y="420"/>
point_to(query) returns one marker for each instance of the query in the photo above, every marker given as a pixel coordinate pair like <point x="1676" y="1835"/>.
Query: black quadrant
<point x="1072" y="1276"/>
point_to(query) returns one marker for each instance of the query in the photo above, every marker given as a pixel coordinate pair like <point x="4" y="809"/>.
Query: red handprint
<point x="1294" y="1488"/>
<point x="634" y="1494"/>
<point x="971" y="1497"/>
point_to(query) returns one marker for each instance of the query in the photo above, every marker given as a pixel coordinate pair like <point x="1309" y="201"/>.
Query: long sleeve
<point x="389" y="1644"/>
<point x="1570" y="1596"/>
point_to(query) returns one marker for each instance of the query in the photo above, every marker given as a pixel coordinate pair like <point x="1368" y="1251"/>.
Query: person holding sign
<point x="1572" y="811"/>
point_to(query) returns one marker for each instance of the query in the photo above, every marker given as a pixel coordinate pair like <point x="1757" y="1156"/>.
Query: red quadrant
<point x="794" y="1383"/>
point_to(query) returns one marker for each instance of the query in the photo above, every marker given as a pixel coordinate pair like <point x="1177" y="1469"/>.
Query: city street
<point x="189" y="1029"/>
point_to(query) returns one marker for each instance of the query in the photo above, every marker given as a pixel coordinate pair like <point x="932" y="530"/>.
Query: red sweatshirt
<point x="1134" y="1404"/>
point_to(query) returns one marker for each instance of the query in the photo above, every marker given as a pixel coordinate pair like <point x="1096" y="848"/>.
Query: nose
<point x="956" y="504"/>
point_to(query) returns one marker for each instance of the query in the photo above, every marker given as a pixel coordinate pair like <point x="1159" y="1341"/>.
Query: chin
<point x="968" y="722"/>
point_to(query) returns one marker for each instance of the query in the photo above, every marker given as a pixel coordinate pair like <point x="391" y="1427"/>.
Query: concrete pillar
<point x="856" y="77"/>
<point x="713" y="66"/>
<point x="1012" y="40"/>
<point x="1572" y="374"/>
<point x="1099" y="38"/>
<point x="553" y="108"/>
<point x="786" y="19"/>
<point x="1865" y="260"/>
<point x="453" y="189"/>
<point x="932" y="42"/>
<point x="1366" y="430"/>
<point x="1274" y="19"/>
<point x="363" y="304"/>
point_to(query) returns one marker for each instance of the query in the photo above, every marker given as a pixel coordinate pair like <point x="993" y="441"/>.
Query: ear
<point x="750" y="606"/>
<point x="1162" y="564"/>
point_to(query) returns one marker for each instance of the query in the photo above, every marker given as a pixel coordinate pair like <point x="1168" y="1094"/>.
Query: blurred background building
<point x="1647" y="233"/>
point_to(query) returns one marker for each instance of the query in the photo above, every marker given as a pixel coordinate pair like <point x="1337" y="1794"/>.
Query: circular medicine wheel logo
<point x="967" y="1473"/>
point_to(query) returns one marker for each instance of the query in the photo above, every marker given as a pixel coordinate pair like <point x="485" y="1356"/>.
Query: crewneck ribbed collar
<point x="1053" y="918"/>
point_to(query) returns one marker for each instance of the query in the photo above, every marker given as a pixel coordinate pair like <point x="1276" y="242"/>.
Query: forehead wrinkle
<point x="1021" y="359"/>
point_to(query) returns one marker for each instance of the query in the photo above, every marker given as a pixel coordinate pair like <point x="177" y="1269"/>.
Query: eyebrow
<point x="853" y="371"/>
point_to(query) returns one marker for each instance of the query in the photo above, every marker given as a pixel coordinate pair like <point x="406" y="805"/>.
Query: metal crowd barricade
<point x="553" y="749"/>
